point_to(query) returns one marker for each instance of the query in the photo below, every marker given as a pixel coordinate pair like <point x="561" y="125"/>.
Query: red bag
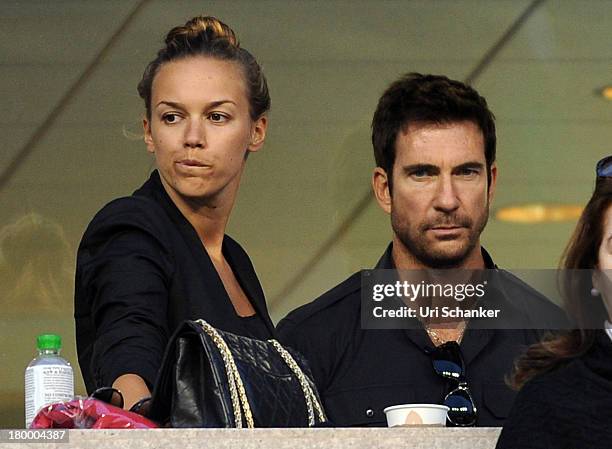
<point x="88" y="413"/>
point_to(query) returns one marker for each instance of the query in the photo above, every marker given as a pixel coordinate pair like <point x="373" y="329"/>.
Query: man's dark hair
<point x="428" y="99"/>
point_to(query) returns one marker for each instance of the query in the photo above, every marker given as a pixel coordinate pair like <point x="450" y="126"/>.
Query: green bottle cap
<point x="49" y="341"/>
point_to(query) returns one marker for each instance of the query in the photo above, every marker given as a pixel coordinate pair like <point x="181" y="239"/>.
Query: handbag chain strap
<point x="238" y="395"/>
<point x="312" y="401"/>
<point x="237" y="392"/>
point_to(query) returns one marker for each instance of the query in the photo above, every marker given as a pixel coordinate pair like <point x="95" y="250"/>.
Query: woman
<point x="566" y="382"/>
<point x="149" y="261"/>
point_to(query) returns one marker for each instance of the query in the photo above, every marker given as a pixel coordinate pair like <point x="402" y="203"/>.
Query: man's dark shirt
<point x="360" y="372"/>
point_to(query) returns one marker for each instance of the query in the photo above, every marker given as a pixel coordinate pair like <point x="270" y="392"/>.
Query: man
<point x="434" y="143"/>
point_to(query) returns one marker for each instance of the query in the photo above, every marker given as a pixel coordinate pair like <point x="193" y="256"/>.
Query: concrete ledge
<point x="322" y="438"/>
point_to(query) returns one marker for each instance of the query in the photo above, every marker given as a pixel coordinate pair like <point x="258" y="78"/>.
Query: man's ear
<point x="493" y="184"/>
<point x="258" y="133"/>
<point x="381" y="188"/>
<point x="148" y="138"/>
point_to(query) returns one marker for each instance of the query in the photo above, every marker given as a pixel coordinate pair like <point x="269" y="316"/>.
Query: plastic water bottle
<point x="48" y="378"/>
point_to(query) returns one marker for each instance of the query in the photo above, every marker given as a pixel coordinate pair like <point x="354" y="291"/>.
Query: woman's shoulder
<point x="564" y="385"/>
<point x="135" y="212"/>
<point x="136" y="222"/>
<point x="130" y="209"/>
<point x="594" y="364"/>
<point x="548" y="411"/>
<point x="124" y="233"/>
<point x="564" y="373"/>
<point x="141" y="209"/>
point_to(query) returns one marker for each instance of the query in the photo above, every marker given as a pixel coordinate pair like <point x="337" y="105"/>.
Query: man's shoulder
<point x="537" y="310"/>
<point x="520" y="290"/>
<point x="343" y="298"/>
<point x="517" y="290"/>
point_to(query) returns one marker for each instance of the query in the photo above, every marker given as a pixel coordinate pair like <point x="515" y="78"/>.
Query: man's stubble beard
<point x="416" y="243"/>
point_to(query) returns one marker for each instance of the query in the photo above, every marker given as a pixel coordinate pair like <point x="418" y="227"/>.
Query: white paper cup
<point x="416" y="415"/>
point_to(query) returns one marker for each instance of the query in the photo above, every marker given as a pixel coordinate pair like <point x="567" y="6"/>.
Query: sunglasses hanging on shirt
<point x="448" y="363"/>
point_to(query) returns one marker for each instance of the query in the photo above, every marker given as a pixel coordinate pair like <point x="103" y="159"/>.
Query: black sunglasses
<point x="448" y="363"/>
<point x="604" y="168"/>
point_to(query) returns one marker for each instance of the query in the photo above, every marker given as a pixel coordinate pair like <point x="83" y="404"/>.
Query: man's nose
<point x="446" y="198"/>
<point x="194" y="134"/>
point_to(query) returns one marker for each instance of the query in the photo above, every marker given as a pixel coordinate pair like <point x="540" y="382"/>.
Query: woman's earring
<point x="594" y="292"/>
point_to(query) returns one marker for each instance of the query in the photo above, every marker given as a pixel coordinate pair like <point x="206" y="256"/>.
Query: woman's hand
<point x="133" y="388"/>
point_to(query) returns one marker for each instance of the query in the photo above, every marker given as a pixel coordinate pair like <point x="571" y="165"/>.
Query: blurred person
<point x="434" y="143"/>
<point x="565" y="381"/>
<point x="149" y="261"/>
<point x="37" y="280"/>
<point x="36" y="263"/>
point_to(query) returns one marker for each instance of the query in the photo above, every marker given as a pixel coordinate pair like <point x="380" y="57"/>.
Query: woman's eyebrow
<point x="172" y="104"/>
<point x="214" y="104"/>
<point x="178" y="105"/>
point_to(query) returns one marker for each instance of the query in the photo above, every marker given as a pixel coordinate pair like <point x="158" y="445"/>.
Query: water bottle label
<point x="45" y="385"/>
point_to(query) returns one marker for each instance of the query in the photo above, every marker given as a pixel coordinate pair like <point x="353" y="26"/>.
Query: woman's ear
<point x="258" y="133"/>
<point x="148" y="137"/>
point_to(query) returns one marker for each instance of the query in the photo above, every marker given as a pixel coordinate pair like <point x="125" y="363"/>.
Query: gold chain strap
<point x="309" y="396"/>
<point x="238" y="394"/>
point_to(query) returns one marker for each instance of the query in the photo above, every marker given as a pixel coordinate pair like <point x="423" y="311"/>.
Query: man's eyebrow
<point x="212" y="104"/>
<point x="435" y="169"/>
<point x="470" y="164"/>
<point x="416" y="167"/>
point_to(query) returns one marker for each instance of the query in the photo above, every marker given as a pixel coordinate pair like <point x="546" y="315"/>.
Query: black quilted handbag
<point x="211" y="378"/>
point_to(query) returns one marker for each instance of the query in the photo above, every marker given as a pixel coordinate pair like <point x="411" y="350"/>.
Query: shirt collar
<point x="386" y="261"/>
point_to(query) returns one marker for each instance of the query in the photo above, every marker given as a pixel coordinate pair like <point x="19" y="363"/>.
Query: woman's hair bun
<point x="208" y="36"/>
<point x="202" y="28"/>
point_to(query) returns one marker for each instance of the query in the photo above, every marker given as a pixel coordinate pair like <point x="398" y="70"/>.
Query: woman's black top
<point x="141" y="271"/>
<point x="570" y="407"/>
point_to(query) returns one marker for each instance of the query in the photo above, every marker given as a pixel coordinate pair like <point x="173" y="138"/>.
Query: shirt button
<point x="369" y="413"/>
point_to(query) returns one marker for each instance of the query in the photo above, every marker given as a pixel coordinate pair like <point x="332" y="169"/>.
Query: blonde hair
<point x="36" y="269"/>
